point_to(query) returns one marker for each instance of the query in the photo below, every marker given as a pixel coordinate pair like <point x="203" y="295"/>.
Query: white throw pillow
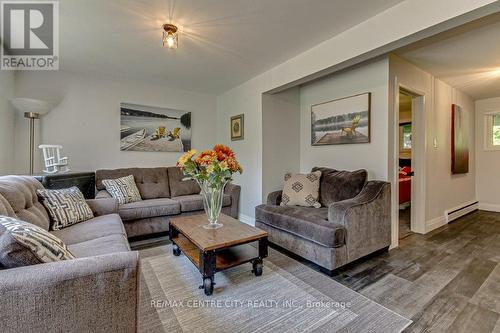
<point x="65" y="206"/>
<point x="301" y="190"/>
<point x="123" y="189"/>
<point x="23" y="244"/>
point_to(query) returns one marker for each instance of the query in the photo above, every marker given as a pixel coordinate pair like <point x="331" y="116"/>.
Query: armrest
<point x="366" y="218"/>
<point x="95" y="294"/>
<point x="274" y="198"/>
<point x="233" y="190"/>
<point x="103" y="206"/>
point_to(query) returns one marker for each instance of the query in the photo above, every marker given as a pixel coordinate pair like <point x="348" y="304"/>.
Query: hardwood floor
<point x="445" y="281"/>
<point x="404" y="222"/>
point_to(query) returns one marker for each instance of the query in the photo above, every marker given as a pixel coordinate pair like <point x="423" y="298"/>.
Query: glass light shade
<point x="170" y="39"/>
<point x="31" y="105"/>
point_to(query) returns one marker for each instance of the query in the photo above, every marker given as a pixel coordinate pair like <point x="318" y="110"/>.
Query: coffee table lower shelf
<point x="210" y="262"/>
<point x="225" y="258"/>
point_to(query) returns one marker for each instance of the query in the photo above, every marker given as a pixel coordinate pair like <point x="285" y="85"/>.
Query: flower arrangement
<point x="214" y="166"/>
<point x="212" y="170"/>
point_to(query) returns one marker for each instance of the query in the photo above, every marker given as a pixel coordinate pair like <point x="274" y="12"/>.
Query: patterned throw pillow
<point x="123" y="189"/>
<point x="23" y="244"/>
<point x="301" y="190"/>
<point x="66" y="206"/>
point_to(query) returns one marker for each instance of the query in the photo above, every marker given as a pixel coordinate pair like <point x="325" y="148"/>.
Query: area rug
<point x="288" y="297"/>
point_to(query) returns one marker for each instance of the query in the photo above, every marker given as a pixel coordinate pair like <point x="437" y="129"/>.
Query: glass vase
<point x="212" y="201"/>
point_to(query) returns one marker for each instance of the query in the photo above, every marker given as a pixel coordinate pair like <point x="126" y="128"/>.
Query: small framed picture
<point x="237" y="127"/>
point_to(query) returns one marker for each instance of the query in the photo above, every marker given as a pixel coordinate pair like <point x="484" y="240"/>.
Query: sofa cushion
<point x="151" y="182"/>
<point x="24" y="244"/>
<point x="193" y="202"/>
<point x="5" y="208"/>
<point x="65" y="206"/>
<point x="99" y="226"/>
<point x="338" y="185"/>
<point x="103" y="194"/>
<point x="149" y="208"/>
<point x="20" y="193"/>
<point x="100" y="246"/>
<point x="306" y="222"/>
<point x="179" y="186"/>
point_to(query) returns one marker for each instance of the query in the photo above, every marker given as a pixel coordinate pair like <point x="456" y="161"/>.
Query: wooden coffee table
<point x="212" y="251"/>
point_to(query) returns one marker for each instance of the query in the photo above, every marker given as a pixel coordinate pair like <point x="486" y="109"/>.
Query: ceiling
<point x="222" y="43"/>
<point x="467" y="58"/>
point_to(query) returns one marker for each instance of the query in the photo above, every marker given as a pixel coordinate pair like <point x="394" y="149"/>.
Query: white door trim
<point x="418" y="162"/>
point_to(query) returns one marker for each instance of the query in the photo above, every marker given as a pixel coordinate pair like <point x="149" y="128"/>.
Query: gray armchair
<point x="354" y="220"/>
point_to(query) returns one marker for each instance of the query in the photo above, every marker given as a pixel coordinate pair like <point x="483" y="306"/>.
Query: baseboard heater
<point x="455" y="213"/>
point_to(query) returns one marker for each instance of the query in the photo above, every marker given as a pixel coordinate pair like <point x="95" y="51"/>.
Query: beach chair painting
<point x="154" y="129"/>
<point x="341" y="121"/>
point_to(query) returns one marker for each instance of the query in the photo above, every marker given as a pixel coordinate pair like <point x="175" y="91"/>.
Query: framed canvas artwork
<point x="154" y="129"/>
<point x="341" y="121"/>
<point x="237" y="127"/>
<point x="459" y="141"/>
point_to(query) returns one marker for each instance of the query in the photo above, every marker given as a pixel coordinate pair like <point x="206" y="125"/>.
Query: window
<point x="496" y="130"/>
<point x="407" y="137"/>
<point x="493" y="131"/>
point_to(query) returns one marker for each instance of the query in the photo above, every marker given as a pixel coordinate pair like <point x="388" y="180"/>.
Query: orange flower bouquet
<point x="212" y="170"/>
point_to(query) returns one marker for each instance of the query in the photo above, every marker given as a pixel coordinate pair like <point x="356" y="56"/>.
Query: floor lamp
<point x="32" y="109"/>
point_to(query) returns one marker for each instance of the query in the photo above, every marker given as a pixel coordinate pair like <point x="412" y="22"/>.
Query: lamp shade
<point x="30" y="105"/>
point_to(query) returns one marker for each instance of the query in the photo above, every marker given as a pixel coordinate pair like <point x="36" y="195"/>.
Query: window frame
<point x="488" y="131"/>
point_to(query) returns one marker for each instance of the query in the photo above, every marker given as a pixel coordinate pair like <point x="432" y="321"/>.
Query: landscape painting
<point x="341" y="121"/>
<point x="154" y="129"/>
<point x="459" y="141"/>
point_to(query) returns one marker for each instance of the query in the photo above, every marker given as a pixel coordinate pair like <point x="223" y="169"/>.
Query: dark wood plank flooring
<point x="445" y="281"/>
<point x="404" y="222"/>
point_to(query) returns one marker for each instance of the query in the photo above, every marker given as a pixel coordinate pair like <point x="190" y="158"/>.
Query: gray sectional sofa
<point x="354" y="220"/>
<point x="96" y="292"/>
<point x="165" y="193"/>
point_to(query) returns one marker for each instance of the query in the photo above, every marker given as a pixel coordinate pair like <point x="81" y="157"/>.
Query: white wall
<point x="371" y="77"/>
<point x="7" y="115"/>
<point x="281" y="139"/>
<point x="488" y="161"/>
<point x="410" y="17"/>
<point x="87" y="119"/>
<point x="443" y="191"/>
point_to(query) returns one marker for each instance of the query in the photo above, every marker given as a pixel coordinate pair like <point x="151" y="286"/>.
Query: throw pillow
<point x="123" y="189"/>
<point x="301" y="190"/>
<point x="66" y="206"/>
<point x="23" y="244"/>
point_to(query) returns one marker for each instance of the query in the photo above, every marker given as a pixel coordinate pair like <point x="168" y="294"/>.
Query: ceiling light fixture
<point x="170" y="36"/>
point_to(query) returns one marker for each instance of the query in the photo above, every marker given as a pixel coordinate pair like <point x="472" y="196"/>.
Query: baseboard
<point x="452" y="214"/>
<point x="434" y="223"/>
<point x="460" y="210"/>
<point x="247" y="219"/>
<point x="489" y="207"/>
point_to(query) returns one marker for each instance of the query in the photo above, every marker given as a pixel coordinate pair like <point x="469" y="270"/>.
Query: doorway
<point x="409" y="151"/>
<point x="405" y="170"/>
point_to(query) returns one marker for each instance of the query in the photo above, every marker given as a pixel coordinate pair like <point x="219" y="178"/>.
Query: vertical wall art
<point x="459" y="141"/>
